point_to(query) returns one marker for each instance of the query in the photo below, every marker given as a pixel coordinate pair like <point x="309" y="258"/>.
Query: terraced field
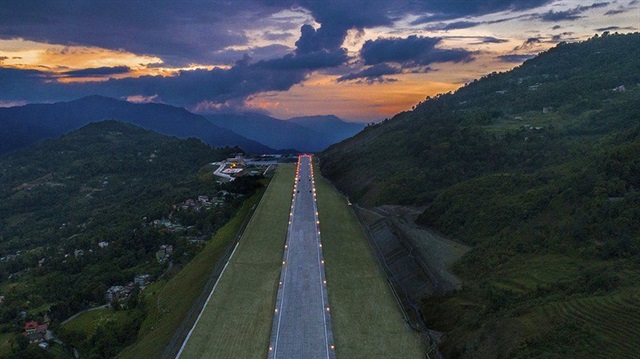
<point x="614" y="320"/>
<point x="598" y="324"/>
<point x="546" y="269"/>
<point x="615" y="317"/>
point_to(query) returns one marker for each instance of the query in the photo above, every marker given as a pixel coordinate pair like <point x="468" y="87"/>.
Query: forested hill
<point x="93" y="209"/>
<point x="481" y="128"/>
<point x="538" y="168"/>
<point x="100" y="174"/>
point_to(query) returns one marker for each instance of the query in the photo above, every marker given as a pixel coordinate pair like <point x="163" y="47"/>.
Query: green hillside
<point x="94" y="209"/>
<point x="538" y="168"/>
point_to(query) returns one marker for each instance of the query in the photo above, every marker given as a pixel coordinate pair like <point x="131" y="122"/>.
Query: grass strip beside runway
<point x="237" y="321"/>
<point x="367" y="321"/>
<point x="170" y="301"/>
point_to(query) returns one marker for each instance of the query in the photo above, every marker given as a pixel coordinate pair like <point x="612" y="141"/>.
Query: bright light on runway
<point x="302" y="326"/>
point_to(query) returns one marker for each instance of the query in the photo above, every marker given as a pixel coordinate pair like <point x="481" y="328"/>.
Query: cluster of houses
<point x="195" y="204"/>
<point x="169" y="225"/>
<point x="201" y="202"/>
<point x="122" y="292"/>
<point x="532" y="128"/>
<point x="10" y="257"/>
<point x="77" y="253"/>
<point x="37" y="332"/>
<point x="163" y="254"/>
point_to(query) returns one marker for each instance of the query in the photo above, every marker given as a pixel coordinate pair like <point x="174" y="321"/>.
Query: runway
<point x="302" y="316"/>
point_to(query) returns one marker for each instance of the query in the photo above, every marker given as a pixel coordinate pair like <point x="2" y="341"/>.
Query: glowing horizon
<point x="339" y="79"/>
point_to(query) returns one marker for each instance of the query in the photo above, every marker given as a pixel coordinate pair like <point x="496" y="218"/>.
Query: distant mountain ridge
<point x="312" y="133"/>
<point x="25" y="125"/>
<point x="334" y="128"/>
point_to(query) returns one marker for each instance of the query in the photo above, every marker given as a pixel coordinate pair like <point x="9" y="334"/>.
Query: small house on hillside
<point x="117" y="292"/>
<point x="620" y="88"/>
<point x="30" y="327"/>
<point x="142" y="279"/>
<point x="35" y="332"/>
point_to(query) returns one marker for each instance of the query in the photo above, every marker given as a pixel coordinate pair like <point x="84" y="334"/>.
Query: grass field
<point x="5" y="343"/>
<point x="367" y="321"/>
<point x="237" y="321"/>
<point x="89" y="321"/>
<point x="170" y="301"/>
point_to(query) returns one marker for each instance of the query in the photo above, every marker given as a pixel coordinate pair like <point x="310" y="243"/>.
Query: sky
<point x="362" y="60"/>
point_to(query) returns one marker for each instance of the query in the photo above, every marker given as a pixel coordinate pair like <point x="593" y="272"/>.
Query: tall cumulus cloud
<point x="204" y="31"/>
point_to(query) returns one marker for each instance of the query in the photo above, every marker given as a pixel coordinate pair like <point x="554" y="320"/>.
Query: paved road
<point x="302" y="322"/>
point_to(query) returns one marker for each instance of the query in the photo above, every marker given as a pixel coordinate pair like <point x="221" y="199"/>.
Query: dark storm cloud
<point x="453" y="25"/>
<point x="411" y="51"/>
<point x="9" y="77"/>
<point x="479" y="40"/>
<point x="490" y="40"/>
<point x="188" y="88"/>
<point x="531" y="41"/>
<point x="195" y="32"/>
<point x="445" y="9"/>
<point x="515" y="57"/>
<point x="277" y="36"/>
<point x="312" y="40"/>
<point x="178" y="33"/>
<point x="175" y="32"/>
<point x="98" y="71"/>
<point x="570" y="15"/>
<point x="256" y="53"/>
<point x="615" y="28"/>
<point x="565" y="36"/>
<point x="204" y="30"/>
<point x="353" y="14"/>
<point x="372" y="74"/>
<point x="615" y="12"/>
<point x="622" y="8"/>
<point x="465" y="24"/>
<point x="21" y="85"/>
<point x="528" y="43"/>
<point x="336" y="18"/>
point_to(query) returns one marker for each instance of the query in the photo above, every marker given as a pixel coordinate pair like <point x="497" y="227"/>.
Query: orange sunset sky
<point x="360" y="60"/>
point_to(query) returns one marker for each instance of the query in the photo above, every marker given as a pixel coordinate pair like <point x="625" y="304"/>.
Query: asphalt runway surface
<point x="302" y="321"/>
